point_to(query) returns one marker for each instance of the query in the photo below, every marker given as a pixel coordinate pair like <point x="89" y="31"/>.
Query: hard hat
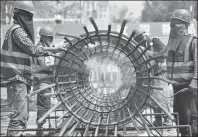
<point x="24" y="5"/>
<point x="182" y="14"/>
<point x="139" y="31"/>
<point x="46" y="31"/>
<point x="139" y="34"/>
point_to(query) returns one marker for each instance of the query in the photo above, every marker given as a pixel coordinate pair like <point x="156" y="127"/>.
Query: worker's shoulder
<point x="194" y="43"/>
<point x="18" y="30"/>
<point x="194" y="40"/>
<point x="15" y="26"/>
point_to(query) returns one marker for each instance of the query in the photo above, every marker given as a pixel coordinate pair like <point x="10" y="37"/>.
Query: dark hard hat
<point x="182" y="14"/>
<point x="46" y="31"/>
<point x="24" y="5"/>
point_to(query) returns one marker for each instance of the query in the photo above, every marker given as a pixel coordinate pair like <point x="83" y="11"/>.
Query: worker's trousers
<point x="186" y="105"/>
<point x="17" y="102"/>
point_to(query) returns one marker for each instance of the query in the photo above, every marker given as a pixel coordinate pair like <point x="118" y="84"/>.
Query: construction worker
<point x="17" y="48"/>
<point x="157" y="45"/>
<point x="43" y="102"/>
<point x="181" y="53"/>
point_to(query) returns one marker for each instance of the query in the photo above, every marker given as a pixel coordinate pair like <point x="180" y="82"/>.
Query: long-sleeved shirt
<point x="21" y="39"/>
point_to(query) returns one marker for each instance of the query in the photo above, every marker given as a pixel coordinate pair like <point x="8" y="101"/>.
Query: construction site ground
<point x="31" y="124"/>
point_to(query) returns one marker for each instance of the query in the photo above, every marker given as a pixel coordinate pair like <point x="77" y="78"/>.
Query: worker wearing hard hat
<point x="156" y="46"/>
<point x="182" y="67"/>
<point x="18" y="47"/>
<point x="40" y="81"/>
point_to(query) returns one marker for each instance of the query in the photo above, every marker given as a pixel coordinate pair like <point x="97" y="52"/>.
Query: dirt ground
<point x="31" y="124"/>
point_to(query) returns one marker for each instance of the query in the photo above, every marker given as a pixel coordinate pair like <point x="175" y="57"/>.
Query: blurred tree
<point x="118" y="14"/>
<point x="50" y="8"/>
<point x="161" y="11"/>
<point x="3" y="11"/>
<point x="10" y="10"/>
<point x="43" y="9"/>
<point x="6" y="10"/>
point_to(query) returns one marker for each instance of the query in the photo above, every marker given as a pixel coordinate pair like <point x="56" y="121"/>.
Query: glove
<point x="46" y="54"/>
<point x="41" y="49"/>
<point x="150" y="53"/>
<point x="43" y="52"/>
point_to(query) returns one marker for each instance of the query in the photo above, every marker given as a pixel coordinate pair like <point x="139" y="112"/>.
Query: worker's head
<point x="181" y="16"/>
<point x="180" y="21"/>
<point x="46" y="34"/>
<point x="140" y="35"/>
<point x="23" y="14"/>
<point x="24" y="10"/>
<point x="25" y="6"/>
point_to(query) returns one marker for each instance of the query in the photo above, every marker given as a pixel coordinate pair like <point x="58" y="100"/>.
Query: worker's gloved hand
<point x="35" y="81"/>
<point x="47" y="53"/>
<point x="62" y="48"/>
<point x="51" y="54"/>
<point x="41" y="49"/>
<point x="150" y="53"/>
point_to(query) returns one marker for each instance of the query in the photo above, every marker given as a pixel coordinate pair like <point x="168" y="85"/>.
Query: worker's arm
<point x="25" y="43"/>
<point x="193" y="83"/>
<point x="54" y="49"/>
<point x="162" y="52"/>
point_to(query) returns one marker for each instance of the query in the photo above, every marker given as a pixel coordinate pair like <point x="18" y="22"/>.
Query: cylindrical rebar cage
<point x="103" y="78"/>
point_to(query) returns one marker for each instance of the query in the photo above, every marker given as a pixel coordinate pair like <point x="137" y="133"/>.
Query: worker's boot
<point x="193" y="124"/>
<point x="19" y="134"/>
<point x="40" y="131"/>
<point x="166" y="121"/>
<point x="158" y="121"/>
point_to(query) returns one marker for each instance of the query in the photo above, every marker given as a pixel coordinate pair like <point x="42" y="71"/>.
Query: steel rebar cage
<point x="91" y="106"/>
